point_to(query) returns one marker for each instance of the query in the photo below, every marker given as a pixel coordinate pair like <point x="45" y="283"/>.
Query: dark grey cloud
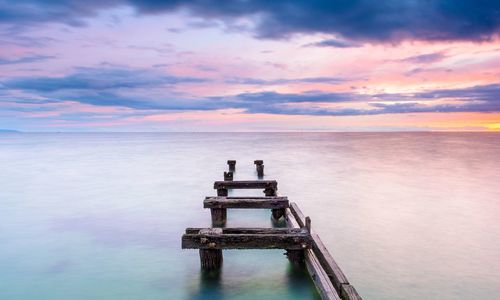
<point x="355" y="20"/>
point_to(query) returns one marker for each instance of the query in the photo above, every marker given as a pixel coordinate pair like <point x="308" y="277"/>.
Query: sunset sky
<point x="201" y="65"/>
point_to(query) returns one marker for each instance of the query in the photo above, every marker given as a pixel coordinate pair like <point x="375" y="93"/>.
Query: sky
<point x="249" y="65"/>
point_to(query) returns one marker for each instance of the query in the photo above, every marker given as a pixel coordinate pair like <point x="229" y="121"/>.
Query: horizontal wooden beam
<point x="246" y="184"/>
<point x="246" y="202"/>
<point x="292" y="241"/>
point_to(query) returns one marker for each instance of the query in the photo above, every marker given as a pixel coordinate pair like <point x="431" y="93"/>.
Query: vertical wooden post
<point x="219" y="216"/>
<point x="232" y="165"/>
<point x="296" y="257"/>
<point x="277" y="213"/>
<point x="308" y="224"/>
<point x="259" y="166"/>
<point x="222" y="192"/>
<point x="270" y="192"/>
<point x="211" y="259"/>
<point x="228" y="176"/>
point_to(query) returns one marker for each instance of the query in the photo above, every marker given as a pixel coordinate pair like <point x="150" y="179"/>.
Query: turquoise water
<point x="99" y="216"/>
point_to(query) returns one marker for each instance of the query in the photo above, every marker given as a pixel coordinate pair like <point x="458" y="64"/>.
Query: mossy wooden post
<point x="211" y="259"/>
<point x="232" y="165"/>
<point x="259" y="166"/>
<point x="228" y="176"/>
<point x="219" y="215"/>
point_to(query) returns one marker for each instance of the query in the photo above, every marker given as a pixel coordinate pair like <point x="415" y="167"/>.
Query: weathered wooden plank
<point x="250" y="230"/>
<point x="210" y="231"/>
<point x="246" y="184"/>
<point x="349" y="293"/>
<point x="328" y="263"/>
<point x="320" y="278"/>
<point x="290" y="219"/>
<point x="246" y="241"/>
<point x="297" y="213"/>
<point x="245" y="202"/>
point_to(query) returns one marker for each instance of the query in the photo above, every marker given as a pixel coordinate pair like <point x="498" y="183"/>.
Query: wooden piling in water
<point x="259" y="166"/>
<point x="228" y="176"/>
<point x="211" y="259"/>
<point x="232" y="165"/>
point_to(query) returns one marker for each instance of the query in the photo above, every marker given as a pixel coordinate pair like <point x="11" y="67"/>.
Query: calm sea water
<point x="99" y="216"/>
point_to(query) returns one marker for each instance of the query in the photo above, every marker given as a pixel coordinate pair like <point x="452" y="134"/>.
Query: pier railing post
<point x="259" y="166"/>
<point x="232" y="165"/>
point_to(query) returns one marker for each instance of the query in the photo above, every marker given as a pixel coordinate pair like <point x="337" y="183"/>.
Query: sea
<point x="406" y="215"/>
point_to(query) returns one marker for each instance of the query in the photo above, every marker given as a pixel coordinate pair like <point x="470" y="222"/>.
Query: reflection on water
<point x="210" y="286"/>
<point x="99" y="216"/>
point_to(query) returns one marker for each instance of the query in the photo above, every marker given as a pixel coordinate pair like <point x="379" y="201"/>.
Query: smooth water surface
<point x="99" y="216"/>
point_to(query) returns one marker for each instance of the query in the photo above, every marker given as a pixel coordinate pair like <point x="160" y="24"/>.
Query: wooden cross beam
<point x="246" y="202"/>
<point x="246" y="184"/>
<point x="259" y="239"/>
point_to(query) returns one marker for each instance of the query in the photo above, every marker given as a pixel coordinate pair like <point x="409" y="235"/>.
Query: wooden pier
<point x="302" y="245"/>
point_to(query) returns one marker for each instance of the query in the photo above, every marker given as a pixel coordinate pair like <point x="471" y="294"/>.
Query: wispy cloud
<point x="425" y="58"/>
<point x="257" y="81"/>
<point x="25" y="59"/>
<point x="335" y="43"/>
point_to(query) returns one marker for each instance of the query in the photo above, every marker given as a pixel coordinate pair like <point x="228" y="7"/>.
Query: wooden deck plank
<point x="246" y="202"/>
<point x="320" y="278"/>
<point x="290" y="219"/>
<point x="297" y="213"/>
<point x="293" y="241"/>
<point x="328" y="263"/>
<point x="246" y="184"/>
<point x="349" y="293"/>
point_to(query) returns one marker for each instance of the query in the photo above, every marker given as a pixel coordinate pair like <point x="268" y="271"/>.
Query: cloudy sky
<point x="249" y="65"/>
